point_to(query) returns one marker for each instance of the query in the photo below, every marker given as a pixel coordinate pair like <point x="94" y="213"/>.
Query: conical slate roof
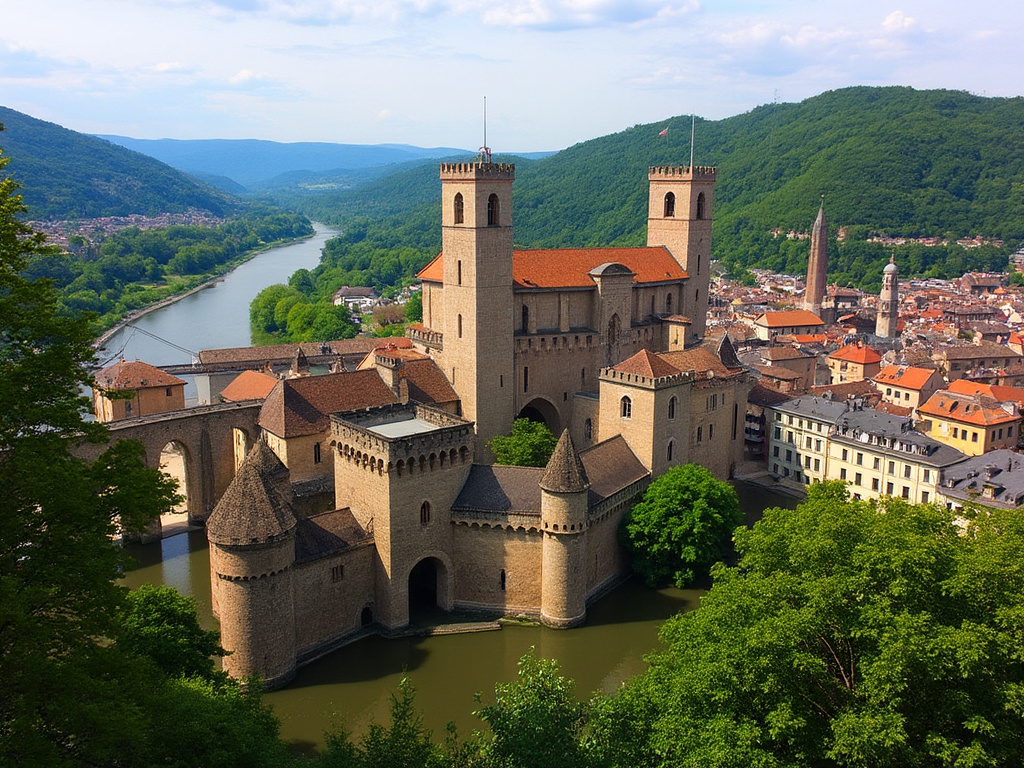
<point x="565" y="472"/>
<point x="256" y="507"/>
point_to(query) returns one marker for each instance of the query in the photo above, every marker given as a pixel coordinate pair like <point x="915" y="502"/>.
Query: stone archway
<point x="543" y="410"/>
<point x="428" y="590"/>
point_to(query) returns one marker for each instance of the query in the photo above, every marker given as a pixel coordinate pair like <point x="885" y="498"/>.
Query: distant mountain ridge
<point x="254" y="162"/>
<point x="68" y="175"/>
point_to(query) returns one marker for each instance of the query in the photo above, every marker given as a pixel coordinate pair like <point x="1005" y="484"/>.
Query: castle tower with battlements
<point x="679" y="214"/>
<point x="476" y="234"/>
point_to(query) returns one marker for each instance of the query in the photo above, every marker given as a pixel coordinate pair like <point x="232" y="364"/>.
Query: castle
<point x="605" y="345"/>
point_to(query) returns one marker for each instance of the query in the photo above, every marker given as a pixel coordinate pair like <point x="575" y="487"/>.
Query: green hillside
<point x="68" y="175"/>
<point x="894" y="160"/>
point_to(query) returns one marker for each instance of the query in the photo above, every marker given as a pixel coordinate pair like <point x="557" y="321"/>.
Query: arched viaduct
<point x="212" y="439"/>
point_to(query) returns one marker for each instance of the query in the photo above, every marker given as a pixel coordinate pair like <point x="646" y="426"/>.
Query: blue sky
<point x="554" y="72"/>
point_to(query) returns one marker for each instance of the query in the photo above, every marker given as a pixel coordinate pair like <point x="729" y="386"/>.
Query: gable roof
<point x="134" y="374"/>
<point x="857" y="353"/>
<point x="979" y="410"/>
<point x="571" y="267"/>
<point x="249" y="385"/>
<point x="611" y="466"/>
<point x="498" y="488"/>
<point x="304" y="406"/>
<point x="788" y="318"/>
<point x="427" y="383"/>
<point x="906" y="376"/>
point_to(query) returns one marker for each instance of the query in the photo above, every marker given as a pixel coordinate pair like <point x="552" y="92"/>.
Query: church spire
<point x="818" y="264"/>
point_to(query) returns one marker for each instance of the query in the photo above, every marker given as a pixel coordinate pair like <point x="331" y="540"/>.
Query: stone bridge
<point x="212" y="439"/>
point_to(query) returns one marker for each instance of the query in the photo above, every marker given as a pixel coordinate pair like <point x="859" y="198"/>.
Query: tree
<point x="535" y="720"/>
<point x="414" y="307"/>
<point x="851" y="633"/>
<point x="682" y="526"/>
<point x="529" y="445"/>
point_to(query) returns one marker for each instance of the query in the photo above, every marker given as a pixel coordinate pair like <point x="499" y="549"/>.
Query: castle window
<point x="583" y="375"/>
<point x="526" y="319"/>
<point x="711" y="431"/>
<point x="526" y="378"/>
<point x="460" y="326"/>
<point x="626" y="408"/>
<point x="668" y="304"/>
<point x="700" y="433"/>
<point x="459" y="276"/>
<point x="425" y="513"/>
<point x="671" y="445"/>
<point x="337" y="573"/>
<point x="167" y="392"/>
<point x="700" y="206"/>
<point x="493" y="211"/>
<point x="501" y="579"/>
<point x="588" y="430"/>
<point x="316" y="453"/>
<point x="459" y="208"/>
<point x="670" y="205"/>
<point x="652" y="305"/>
<point x="672" y="407"/>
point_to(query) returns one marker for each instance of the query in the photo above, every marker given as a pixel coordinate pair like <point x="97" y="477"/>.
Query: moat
<point x="352" y="685"/>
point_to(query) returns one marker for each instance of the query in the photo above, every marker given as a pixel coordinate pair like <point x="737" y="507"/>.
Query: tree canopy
<point x="851" y="633"/>
<point x="682" y="526"/>
<point x="530" y="444"/>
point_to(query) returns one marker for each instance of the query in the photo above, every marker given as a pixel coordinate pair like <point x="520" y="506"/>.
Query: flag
<point x="663" y="132"/>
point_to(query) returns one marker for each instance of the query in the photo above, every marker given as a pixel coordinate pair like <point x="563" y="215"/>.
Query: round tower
<point x="889" y="302"/>
<point x="563" y="600"/>
<point x="252" y="550"/>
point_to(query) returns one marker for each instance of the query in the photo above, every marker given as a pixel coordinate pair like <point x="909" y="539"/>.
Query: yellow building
<point x="974" y="424"/>
<point x="853" y="362"/>
<point x="128" y="389"/>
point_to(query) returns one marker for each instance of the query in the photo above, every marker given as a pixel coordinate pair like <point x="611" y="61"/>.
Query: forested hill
<point x="66" y="175"/>
<point x="889" y="159"/>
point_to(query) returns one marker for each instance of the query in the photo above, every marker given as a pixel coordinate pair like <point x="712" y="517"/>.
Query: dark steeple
<point x="565" y="472"/>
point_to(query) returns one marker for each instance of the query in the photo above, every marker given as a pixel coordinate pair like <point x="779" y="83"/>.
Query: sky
<point x="553" y="72"/>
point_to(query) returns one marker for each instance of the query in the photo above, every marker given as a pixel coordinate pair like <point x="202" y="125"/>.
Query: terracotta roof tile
<point x="249" y="385"/>
<point x="645" y="363"/>
<point x="304" y="406"/>
<point x="134" y="374"/>
<point x="978" y="409"/>
<point x="427" y="384"/>
<point x="286" y="352"/>
<point x="905" y="376"/>
<point x="857" y="353"/>
<point x="700" y="360"/>
<point x="571" y="267"/>
<point x="788" y="318"/>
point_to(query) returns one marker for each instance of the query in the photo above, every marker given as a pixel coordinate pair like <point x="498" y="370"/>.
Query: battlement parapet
<point x="477" y="170"/>
<point x="648" y="382"/>
<point x="425" y="336"/>
<point x="526" y="521"/>
<point x="696" y="172"/>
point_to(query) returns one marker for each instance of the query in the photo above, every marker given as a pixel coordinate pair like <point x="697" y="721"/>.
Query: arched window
<point x="672" y="407"/>
<point x="613" y="328"/>
<point x="700" y="206"/>
<point x="493" y="211"/>
<point x="668" y="456"/>
<point x="626" y="407"/>
<point x="459" y="209"/>
<point x="460" y="325"/>
<point x="670" y="205"/>
<point x="316" y="453"/>
<point x="526" y="319"/>
<point x="668" y="304"/>
<point x="425" y="513"/>
<point x="588" y="430"/>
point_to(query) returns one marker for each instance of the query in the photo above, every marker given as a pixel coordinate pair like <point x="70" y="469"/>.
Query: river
<point x="352" y="685"/>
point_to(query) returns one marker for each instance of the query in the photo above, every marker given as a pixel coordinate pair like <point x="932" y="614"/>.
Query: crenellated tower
<point x="564" y="520"/>
<point x="679" y="214"/>
<point x="817" y="265"/>
<point x="476" y="232"/>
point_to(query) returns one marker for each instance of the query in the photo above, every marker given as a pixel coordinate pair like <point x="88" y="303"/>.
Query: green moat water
<point x="352" y="685"/>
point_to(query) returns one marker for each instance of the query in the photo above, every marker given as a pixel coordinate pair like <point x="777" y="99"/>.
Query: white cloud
<point x="897" y="22"/>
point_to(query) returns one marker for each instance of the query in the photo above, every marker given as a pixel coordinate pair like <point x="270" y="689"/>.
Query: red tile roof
<point x="1000" y="393"/>
<point x="904" y="376"/>
<point x="788" y="318"/>
<point x="134" y="374"/>
<point x="570" y="267"/>
<point x="304" y="406"/>
<point x="645" y="363"/>
<point x="249" y="385"/>
<point x="857" y="353"/>
<point x="968" y="409"/>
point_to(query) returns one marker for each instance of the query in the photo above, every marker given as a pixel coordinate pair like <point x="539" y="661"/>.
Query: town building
<point x="994" y="479"/>
<point x="907" y="385"/>
<point x="129" y="389"/>
<point x="791" y="322"/>
<point x="798" y="432"/>
<point x="973" y="424"/>
<point x="853" y="362"/>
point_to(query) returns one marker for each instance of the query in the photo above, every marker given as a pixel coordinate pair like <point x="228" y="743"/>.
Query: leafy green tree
<point x="851" y="633"/>
<point x="161" y="624"/>
<point x="529" y="445"/>
<point x="535" y="721"/>
<point x="682" y="526"/>
<point x="414" y="307"/>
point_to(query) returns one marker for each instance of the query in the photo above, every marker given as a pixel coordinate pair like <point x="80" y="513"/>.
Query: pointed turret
<point x="565" y="472"/>
<point x="817" y="267"/>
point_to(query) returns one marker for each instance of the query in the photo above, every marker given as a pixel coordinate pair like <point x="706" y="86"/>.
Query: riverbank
<point x="212" y="280"/>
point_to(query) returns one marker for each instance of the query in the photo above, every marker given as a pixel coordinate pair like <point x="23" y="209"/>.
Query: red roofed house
<point x="906" y="385"/>
<point x="793" y="322"/>
<point x="854" y="362"/>
<point x="151" y="391"/>
<point x="974" y="424"/>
